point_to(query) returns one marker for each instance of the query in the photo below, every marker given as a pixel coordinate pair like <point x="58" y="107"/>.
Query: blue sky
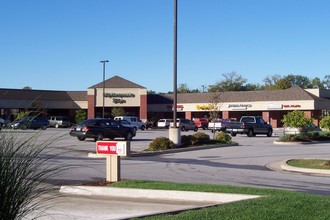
<point x="57" y="44"/>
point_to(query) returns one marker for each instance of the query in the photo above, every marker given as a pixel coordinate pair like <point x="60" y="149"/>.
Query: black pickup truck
<point x="249" y="125"/>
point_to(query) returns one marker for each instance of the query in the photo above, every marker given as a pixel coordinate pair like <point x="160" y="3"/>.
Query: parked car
<point x="133" y="120"/>
<point x="164" y="123"/>
<point x="100" y="128"/>
<point x="294" y="130"/>
<point x="219" y="124"/>
<point x="201" y="123"/>
<point x="32" y="122"/>
<point x="249" y="125"/>
<point x="185" y="124"/>
<point x="59" y="121"/>
<point x="2" y="122"/>
<point x="128" y="124"/>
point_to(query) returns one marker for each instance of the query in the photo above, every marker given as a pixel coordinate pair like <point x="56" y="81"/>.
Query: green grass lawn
<point x="310" y="163"/>
<point x="276" y="204"/>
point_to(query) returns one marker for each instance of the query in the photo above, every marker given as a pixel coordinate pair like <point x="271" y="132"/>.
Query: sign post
<point x="112" y="150"/>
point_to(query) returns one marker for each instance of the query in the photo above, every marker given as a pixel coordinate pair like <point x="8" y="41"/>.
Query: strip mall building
<point x="133" y="98"/>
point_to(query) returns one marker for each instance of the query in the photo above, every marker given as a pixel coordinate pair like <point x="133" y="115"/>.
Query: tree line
<point x="235" y="82"/>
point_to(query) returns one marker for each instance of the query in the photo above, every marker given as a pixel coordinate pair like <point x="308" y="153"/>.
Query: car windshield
<point x="124" y="122"/>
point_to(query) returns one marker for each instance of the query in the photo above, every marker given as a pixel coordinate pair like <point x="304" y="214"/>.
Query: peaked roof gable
<point x="117" y="82"/>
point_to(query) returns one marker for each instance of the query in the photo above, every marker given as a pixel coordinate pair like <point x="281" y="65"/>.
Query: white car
<point x="164" y="123"/>
<point x="133" y="120"/>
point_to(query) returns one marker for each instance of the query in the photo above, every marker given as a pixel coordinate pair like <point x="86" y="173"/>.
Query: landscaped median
<point x="308" y="166"/>
<point x="196" y="141"/>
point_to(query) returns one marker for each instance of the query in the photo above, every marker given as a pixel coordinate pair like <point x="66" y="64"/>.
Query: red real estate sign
<point x="111" y="147"/>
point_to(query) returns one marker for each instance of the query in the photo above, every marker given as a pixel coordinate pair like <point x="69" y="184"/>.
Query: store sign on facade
<point x="178" y="107"/>
<point x="118" y="98"/>
<point x="204" y="107"/>
<point x="274" y="106"/>
<point x="239" y="106"/>
<point x="291" y="106"/>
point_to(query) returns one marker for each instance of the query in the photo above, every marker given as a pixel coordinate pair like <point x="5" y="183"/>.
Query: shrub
<point x="296" y="119"/>
<point x="187" y="140"/>
<point x="160" y="143"/>
<point x="223" y="137"/>
<point x="200" y="138"/>
<point x="325" y="122"/>
<point x="117" y="112"/>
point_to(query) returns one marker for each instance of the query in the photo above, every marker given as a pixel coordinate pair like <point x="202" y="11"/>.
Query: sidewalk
<point x="125" y="203"/>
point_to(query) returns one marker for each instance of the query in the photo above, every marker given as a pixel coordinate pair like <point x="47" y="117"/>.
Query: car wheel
<point x="212" y="131"/>
<point x="250" y="133"/>
<point x="269" y="133"/>
<point x="81" y="138"/>
<point x="43" y="127"/>
<point x="129" y="136"/>
<point x="233" y="134"/>
<point x="183" y="128"/>
<point x="196" y="129"/>
<point x="56" y="125"/>
<point x="143" y="127"/>
<point x="99" y="137"/>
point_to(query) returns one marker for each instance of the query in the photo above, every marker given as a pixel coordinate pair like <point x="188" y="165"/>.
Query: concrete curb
<point x="178" y="150"/>
<point x="283" y="166"/>
<point x="187" y="196"/>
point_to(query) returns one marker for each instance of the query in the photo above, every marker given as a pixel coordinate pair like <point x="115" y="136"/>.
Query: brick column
<point x="225" y="114"/>
<point x="143" y="107"/>
<point x="91" y="106"/>
<point x="188" y="115"/>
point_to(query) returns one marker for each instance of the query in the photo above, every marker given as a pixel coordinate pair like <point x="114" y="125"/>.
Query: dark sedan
<point x="32" y="122"/>
<point x="100" y="128"/>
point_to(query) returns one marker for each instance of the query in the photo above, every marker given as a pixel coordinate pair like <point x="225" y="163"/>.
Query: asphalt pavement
<point x="88" y="202"/>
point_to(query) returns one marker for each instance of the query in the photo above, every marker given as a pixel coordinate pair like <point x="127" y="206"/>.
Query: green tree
<point x="183" y="88"/>
<point x="80" y="116"/>
<point x="117" y="112"/>
<point x="231" y="82"/>
<point x="296" y="119"/>
<point x="326" y="81"/>
<point x="317" y="83"/>
<point x="271" y="81"/>
<point x="325" y="122"/>
<point x="151" y="92"/>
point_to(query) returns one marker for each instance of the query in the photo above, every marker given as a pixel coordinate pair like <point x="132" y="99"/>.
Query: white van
<point x="133" y="120"/>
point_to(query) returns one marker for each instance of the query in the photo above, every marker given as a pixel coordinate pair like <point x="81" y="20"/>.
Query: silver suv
<point x="59" y="121"/>
<point x="185" y="124"/>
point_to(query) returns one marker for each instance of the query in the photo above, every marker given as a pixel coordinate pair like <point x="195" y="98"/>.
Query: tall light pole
<point x="175" y="94"/>
<point x="103" y="61"/>
<point x="174" y="132"/>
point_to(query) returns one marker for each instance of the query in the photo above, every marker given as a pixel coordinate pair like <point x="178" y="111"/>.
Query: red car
<point x="201" y="122"/>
